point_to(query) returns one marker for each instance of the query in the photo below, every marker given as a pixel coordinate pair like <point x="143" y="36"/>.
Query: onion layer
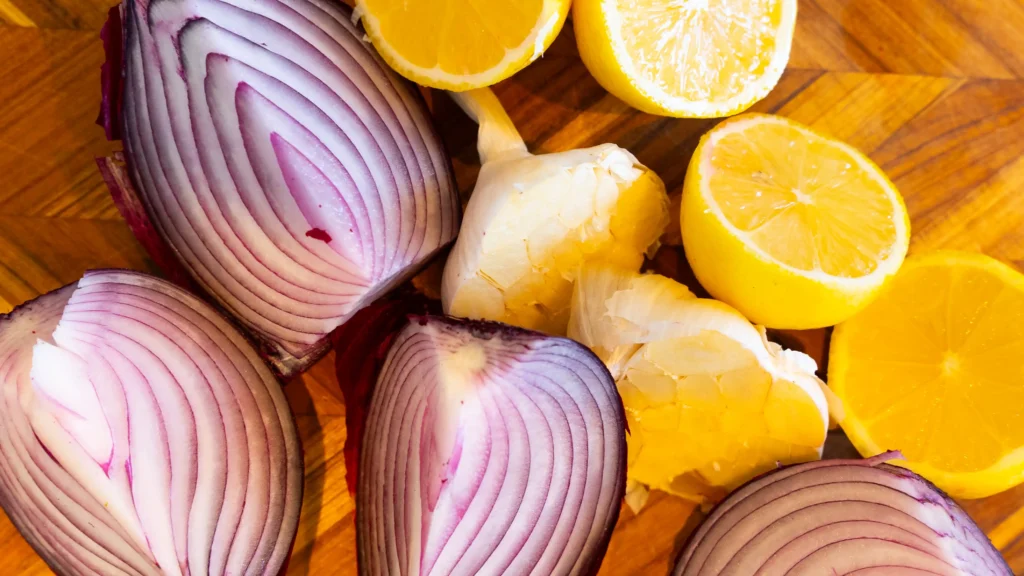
<point x="290" y="171"/>
<point x="840" y="517"/>
<point x="141" y="434"/>
<point x="360" y="348"/>
<point x="489" y="450"/>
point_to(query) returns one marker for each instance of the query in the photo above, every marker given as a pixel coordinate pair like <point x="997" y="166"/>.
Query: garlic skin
<point x="533" y="220"/>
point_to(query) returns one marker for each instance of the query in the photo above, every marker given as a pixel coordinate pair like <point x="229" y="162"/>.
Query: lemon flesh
<point x="686" y="58"/>
<point x="933" y="368"/>
<point x="793" y="229"/>
<point x="461" y="45"/>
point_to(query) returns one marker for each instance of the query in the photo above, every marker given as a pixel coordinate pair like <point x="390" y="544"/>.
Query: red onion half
<point x="859" y="517"/>
<point x="294" y="176"/>
<point x="489" y="450"/>
<point x="141" y="434"/>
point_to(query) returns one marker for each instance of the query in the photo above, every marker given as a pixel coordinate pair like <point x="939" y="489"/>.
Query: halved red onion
<point x="292" y="173"/>
<point x="840" y="517"/>
<point x="140" y="433"/>
<point x="489" y="450"/>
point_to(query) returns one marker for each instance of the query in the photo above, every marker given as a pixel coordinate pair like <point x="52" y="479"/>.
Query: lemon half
<point x="461" y="45"/>
<point x="793" y="229"/>
<point x="686" y="58"/>
<point x="934" y="367"/>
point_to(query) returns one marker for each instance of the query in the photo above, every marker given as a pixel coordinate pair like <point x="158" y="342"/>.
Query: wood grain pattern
<point x="932" y="90"/>
<point x="55" y="14"/>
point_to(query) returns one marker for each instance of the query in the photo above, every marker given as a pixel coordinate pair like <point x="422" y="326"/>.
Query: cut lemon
<point x="710" y="402"/>
<point x="793" y="229"/>
<point x="461" y="45"/>
<point x="934" y="367"/>
<point x="686" y="58"/>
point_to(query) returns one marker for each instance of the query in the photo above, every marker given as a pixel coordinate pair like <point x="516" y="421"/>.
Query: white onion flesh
<point x="840" y="517"/>
<point x="489" y="450"/>
<point x="293" y="174"/>
<point x="140" y="433"/>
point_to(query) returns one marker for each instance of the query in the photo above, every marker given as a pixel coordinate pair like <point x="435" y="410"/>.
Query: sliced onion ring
<point x="291" y="173"/>
<point x="840" y="517"/>
<point x="141" y="434"/>
<point x="489" y="450"/>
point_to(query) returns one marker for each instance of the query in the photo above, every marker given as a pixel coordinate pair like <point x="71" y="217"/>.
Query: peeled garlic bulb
<point x="534" y="219"/>
<point x="710" y="402"/>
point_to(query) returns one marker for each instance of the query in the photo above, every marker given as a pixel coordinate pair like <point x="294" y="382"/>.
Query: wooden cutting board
<point x="932" y="90"/>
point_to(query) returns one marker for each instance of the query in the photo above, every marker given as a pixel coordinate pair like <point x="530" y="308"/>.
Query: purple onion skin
<point x="112" y="76"/>
<point x="290" y="330"/>
<point x="126" y="198"/>
<point x="991" y="562"/>
<point x="484" y="331"/>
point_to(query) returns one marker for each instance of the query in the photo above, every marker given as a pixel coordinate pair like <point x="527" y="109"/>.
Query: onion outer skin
<point x="447" y="389"/>
<point x="290" y="173"/>
<point x="244" y="482"/>
<point x="842" y="515"/>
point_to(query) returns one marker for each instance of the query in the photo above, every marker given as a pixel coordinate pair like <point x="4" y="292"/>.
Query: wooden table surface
<point x="932" y="90"/>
